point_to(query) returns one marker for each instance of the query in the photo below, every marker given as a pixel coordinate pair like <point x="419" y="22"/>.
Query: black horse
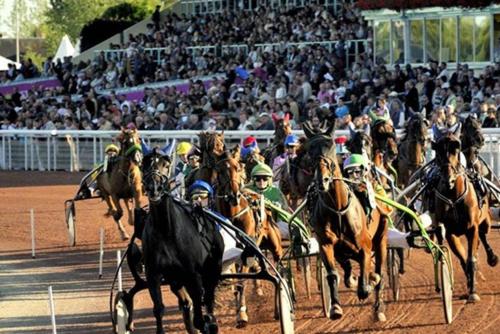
<point x="181" y="249"/>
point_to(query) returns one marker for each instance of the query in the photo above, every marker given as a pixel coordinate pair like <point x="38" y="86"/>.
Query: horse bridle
<point x="160" y="187"/>
<point x="223" y="186"/>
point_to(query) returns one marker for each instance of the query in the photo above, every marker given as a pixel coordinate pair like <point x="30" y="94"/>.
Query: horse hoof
<point x="260" y="292"/>
<point x="381" y="317"/>
<point x="125" y="236"/>
<point x="336" y="312"/>
<point x="375" y="279"/>
<point x="364" y="293"/>
<point x="473" y="298"/>
<point x="131" y="327"/>
<point x="242" y="320"/>
<point x="241" y="324"/>
<point x="492" y="260"/>
<point x="351" y="282"/>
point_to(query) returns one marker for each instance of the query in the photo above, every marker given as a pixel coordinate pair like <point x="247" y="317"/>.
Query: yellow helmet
<point x="112" y="147"/>
<point x="183" y="148"/>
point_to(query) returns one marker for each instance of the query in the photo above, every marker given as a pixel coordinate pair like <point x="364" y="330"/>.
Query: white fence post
<point x="101" y="250"/>
<point x="118" y="259"/>
<point x="32" y="221"/>
<point x="52" y="311"/>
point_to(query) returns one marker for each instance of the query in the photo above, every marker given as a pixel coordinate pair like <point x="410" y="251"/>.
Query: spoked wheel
<point x="324" y="288"/>
<point x="120" y="315"/>
<point x="306" y="269"/>
<point x="69" y="208"/>
<point x="285" y="309"/>
<point x="393" y="265"/>
<point x="446" y="285"/>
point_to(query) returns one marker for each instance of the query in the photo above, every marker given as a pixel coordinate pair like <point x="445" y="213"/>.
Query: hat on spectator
<point x="264" y="114"/>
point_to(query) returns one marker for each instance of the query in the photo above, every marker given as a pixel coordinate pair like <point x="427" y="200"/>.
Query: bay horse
<point x="360" y="142"/>
<point x="124" y="180"/>
<point x="282" y="128"/>
<point x="180" y="251"/>
<point x="241" y="206"/>
<point x="342" y="228"/>
<point x="211" y="145"/>
<point x="252" y="160"/>
<point x="472" y="141"/>
<point x="411" y="148"/>
<point x="457" y="207"/>
<point x="385" y="149"/>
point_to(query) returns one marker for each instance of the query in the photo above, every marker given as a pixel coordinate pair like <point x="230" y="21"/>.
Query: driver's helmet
<point x="201" y="187"/>
<point x="291" y="140"/>
<point x="355" y="164"/>
<point x="183" y="148"/>
<point x="112" y="148"/>
<point x="262" y="169"/>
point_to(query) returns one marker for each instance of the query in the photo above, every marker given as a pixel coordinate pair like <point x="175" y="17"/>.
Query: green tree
<point x="27" y="12"/>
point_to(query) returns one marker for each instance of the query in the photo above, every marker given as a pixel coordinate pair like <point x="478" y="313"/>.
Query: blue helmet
<point x="201" y="186"/>
<point x="291" y="140"/>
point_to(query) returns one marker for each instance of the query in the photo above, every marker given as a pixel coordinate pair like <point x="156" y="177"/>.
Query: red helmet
<point x="249" y="141"/>
<point x="341" y="140"/>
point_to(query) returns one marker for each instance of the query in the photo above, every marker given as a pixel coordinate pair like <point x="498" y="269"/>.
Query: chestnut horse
<point x="124" y="180"/>
<point x="411" y="148"/>
<point x="242" y="207"/>
<point x="457" y="207"/>
<point x="472" y="141"/>
<point x="342" y="228"/>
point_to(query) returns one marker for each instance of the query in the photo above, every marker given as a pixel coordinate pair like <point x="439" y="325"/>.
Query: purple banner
<point x="139" y="94"/>
<point x="27" y="85"/>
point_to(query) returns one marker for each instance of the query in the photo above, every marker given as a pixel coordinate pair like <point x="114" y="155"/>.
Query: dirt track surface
<point x="82" y="300"/>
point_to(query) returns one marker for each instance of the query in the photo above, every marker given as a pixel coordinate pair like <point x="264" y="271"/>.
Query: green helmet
<point x="355" y="160"/>
<point x="262" y="170"/>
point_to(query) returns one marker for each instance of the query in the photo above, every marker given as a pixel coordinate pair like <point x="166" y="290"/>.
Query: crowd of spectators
<point x="309" y="83"/>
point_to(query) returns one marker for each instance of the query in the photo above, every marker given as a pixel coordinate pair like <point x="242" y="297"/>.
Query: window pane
<point x="382" y="46"/>
<point x="466" y="39"/>
<point x="417" y="41"/>
<point x="482" y="38"/>
<point x="432" y="31"/>
<point x="448" y="40"/>
<point x="398" y="47"/>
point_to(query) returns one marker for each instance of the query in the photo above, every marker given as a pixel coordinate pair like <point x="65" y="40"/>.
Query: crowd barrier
<point x="82" y="150"/>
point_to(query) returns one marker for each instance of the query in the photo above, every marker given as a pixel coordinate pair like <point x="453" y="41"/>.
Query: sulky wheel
<point x="393" y="265"/>
<point x="285" y="309"/>
<point x="446" y="284"/>
<point x="120" y="315"/>
<point x="324" y="288"/>
<point x="70" y="221"/>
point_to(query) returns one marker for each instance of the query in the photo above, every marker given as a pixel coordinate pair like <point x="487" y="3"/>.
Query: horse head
<point x="360" y="142"/>
<point x="472" y="136"/>
<point x="416" y="128"/>
<point x="321" y="150"/>
<point x="447" y="146"/>
<point x="282" y="128"/>
<point x="211" y="143"/>
<point x="229" y="178"/>
<point x="130" y="144"/>
<point x="384" y="138"/>
<point x="156" y="171"/>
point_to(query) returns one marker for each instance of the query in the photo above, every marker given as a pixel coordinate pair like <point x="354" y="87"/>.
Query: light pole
<point x="17" y="30"/>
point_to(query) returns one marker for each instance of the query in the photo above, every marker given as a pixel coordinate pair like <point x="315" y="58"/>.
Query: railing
<point x="82" y="150"/>
<point x="351" y="48"/>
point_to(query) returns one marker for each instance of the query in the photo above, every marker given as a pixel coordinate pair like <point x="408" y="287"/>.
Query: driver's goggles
<point x="197" y="197"/>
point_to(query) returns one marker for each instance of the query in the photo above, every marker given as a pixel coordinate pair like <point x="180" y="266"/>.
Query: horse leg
<point x="154" y="286"/>
<point x="242" y="316"/>
<point x="366" y="278"/>
<point x="473" y="243"/>
<point x="349" y="279"/>
<point x="186" y="305"/>
<point x="117" y="215"/>
<point x="130" y="212"/>
<point x="111" y="207"/>
<point x="457" y="249"/>
<point x="380" y="263"/>
<point x="483" y="231"/>
<point x="333" y="277"/>
<point x="137" y="187"/>
<point x="209" y="284"/>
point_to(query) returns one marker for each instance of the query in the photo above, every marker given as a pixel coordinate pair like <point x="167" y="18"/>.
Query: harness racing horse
<point x="360" y="142"/>
<point x="472" y="141"/>
<point x="411" y="148"/>
<point x="342" y="228"/>
<point x="183" y="252"/>
<point x="124" y="180"/>
<point x="242" y="207"/>
<point x="211" y="145"/>
<point x="282" y="128"/>
<point x="457" y="207"/>
<point x="385" y="149"/>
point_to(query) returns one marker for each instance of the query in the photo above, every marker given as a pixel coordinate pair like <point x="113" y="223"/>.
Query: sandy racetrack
<point x="82" y="300"/>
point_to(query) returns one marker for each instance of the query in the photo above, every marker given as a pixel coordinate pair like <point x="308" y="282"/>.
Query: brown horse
<point x="457" y="207"/>
<point x="385" y="149"/>
<point x="472" y="140"/>
<point x="211" y="145"/>
<point x="360" y="142"/>
<point x="252" y="160"/>
<point x="342" y="228"/>
<point x="282" y="128"/>
<point x="242" y="208"/>
<point x="411" y="148"/>
<point x="124" y="181"/>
